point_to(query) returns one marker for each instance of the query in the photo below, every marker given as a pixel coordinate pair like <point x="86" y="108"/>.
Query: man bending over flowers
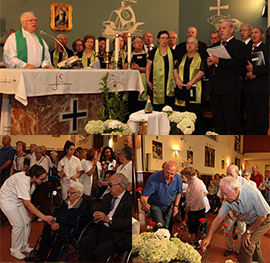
<point x="159" y="192"/>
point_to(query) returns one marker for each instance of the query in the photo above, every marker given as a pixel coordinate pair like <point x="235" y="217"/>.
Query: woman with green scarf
<point x="187" y="74"/>
<point x="159" y="73"/>
<point x="89" y="55"/>
<point x="58" y="54"/>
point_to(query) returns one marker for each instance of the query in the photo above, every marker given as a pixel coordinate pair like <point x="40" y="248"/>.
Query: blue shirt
<point x="5" y="155"/>
<point x="251" y="205"/>
<point x="159" y="191"/>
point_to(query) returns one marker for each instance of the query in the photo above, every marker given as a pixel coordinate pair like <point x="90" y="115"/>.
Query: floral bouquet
<point x="111" y="127"/>
<point x="180" y="122"/>
<point x="160" y="247"/>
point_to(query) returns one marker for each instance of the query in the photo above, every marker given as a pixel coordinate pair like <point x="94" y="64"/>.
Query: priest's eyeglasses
<point x="111" y="185"/>
<point x="31" y="20"/>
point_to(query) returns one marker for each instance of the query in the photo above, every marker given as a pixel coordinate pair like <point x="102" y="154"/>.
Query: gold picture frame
<point x="61" y="16"/>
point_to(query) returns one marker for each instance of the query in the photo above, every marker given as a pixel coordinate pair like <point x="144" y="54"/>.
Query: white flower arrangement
<point x="157" y="247"/>
<point x="95" y="127"/>
<point x="112" y="127"/>
<point x="187" y="126"/>
<point x="162" y="233"/>
<point x="176" y="117"/>
<point x="181" y="122"/>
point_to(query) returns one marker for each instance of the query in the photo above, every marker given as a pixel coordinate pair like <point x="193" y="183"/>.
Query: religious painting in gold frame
<point x="61" y="16"/>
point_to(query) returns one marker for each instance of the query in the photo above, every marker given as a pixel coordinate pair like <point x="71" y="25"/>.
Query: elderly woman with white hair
<point x="188" y="73"/>
<point x="59" y="54"/>
<point x="55" y="235"/>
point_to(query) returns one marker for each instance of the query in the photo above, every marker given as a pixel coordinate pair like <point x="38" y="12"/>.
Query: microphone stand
<point x="68" y="65"/>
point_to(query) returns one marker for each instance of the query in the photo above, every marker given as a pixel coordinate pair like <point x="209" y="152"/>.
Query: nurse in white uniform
<point x="15" y="202"/>
<point x="69" y="167"/>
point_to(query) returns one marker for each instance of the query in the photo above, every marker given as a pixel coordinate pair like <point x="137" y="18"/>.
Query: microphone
<point x="44" y="33"/>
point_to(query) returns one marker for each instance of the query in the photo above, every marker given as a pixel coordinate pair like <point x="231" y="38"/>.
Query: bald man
<point x="6" y="158"/>
<point x="159" y="192"/>
<point x="25" y="48"/>
<point x="181" y="48"/>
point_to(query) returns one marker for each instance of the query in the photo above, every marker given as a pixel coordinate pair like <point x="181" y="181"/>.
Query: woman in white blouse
<point x="69" y="167"/>
<point x="91" y="175"/>
<point x="15" y="202"/>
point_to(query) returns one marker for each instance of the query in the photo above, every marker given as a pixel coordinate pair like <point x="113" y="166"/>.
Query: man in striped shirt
<point x="249" y="202"/>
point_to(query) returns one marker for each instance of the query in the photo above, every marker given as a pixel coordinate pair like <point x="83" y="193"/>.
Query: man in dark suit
<point x="181" y="50"/>
<point x="224" y="80"/>
<point x="112" y="230"/>
<point x="257" y="100"/>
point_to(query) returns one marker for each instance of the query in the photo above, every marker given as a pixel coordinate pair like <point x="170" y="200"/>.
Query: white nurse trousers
<point x="21" y="226"/>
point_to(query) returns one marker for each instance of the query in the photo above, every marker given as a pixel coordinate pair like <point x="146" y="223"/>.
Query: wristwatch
<point x="176" y="206"/>
<point x="248" y="231"/>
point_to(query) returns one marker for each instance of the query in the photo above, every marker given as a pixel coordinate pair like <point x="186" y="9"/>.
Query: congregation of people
<point x="240" y="201"/>
<point x="57" y="188"/>
<point x="172" y="74"/>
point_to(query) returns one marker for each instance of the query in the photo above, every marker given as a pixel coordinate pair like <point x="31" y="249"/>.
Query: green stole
<point x="22" y="46"/>
<point x="93" y="58"/>
<point x="123" y="59"/>
<point x="194" y="69"/>
<point x="56" y="57"/>
<point x="159" y="77"/>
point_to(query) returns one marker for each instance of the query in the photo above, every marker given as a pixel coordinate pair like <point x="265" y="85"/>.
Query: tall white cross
<point x="218" y="7"/>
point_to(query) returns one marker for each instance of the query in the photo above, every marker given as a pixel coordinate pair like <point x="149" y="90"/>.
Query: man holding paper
<point x="257" y="99"/>
<point x="225" y="70"/>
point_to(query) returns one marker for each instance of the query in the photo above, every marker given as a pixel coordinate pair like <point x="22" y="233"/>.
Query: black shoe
<point x="235" y="237"/>
<point x="33" y="259"/>
<point x="227" y="253"/>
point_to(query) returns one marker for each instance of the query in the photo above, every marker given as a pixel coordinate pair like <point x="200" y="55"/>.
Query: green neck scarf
<point x="93" y="58"/>
<point x="159" y="77"/>
<point x="194" y="69"/>
<point x="56" y="54"/>
<point x="22" y="53"/>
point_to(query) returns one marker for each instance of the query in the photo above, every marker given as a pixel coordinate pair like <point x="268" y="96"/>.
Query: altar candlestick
<point x="117" y="48"/>
<point x="97" y="47"/>
<point x="107" y="45"/>
<point x="129" y="47"/>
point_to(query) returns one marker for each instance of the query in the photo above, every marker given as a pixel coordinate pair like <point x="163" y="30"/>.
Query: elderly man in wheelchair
<point x="54" y="236"/>
<point x="111" y="231"/>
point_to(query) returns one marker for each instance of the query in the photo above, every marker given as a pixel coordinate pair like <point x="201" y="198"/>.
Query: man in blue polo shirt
<point x="159" y="193"/>
<point x="251" y="205"/>
<point x="6" y="158"/>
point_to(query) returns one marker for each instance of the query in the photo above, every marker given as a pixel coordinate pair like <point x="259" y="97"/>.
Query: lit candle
<point x="116" y="49"/>
<point x="97" y="46"/>
<point x="129" y="47"/>
<point x="107" y="45"/>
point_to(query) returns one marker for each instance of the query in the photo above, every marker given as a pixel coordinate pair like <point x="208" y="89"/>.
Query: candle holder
<point x="129" y="65"/>
<point x="116" y="65"/>
<point x="107" y="59"/>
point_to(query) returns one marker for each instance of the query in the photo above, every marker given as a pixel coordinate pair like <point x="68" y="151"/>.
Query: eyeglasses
<point x="71" y="193"/>
<point x="111" y="185"/>
<point x="31" y="20"/>
<point x="42" y="179"/>
<point x="227" y="194"/>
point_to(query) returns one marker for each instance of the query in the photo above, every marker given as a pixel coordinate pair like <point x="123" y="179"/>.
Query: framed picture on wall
<point x="61" y="16"/>
<point x="237" y="143"/>
<point x="190" y="156"/>
<point x="209" y="156"/>
<point x="222" y="164"/>
<point x="237" y="162"/>
<point x="157" y="150"/>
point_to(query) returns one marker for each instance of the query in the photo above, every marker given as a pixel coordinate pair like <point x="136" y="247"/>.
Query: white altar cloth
<point x="42" y="82"/>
